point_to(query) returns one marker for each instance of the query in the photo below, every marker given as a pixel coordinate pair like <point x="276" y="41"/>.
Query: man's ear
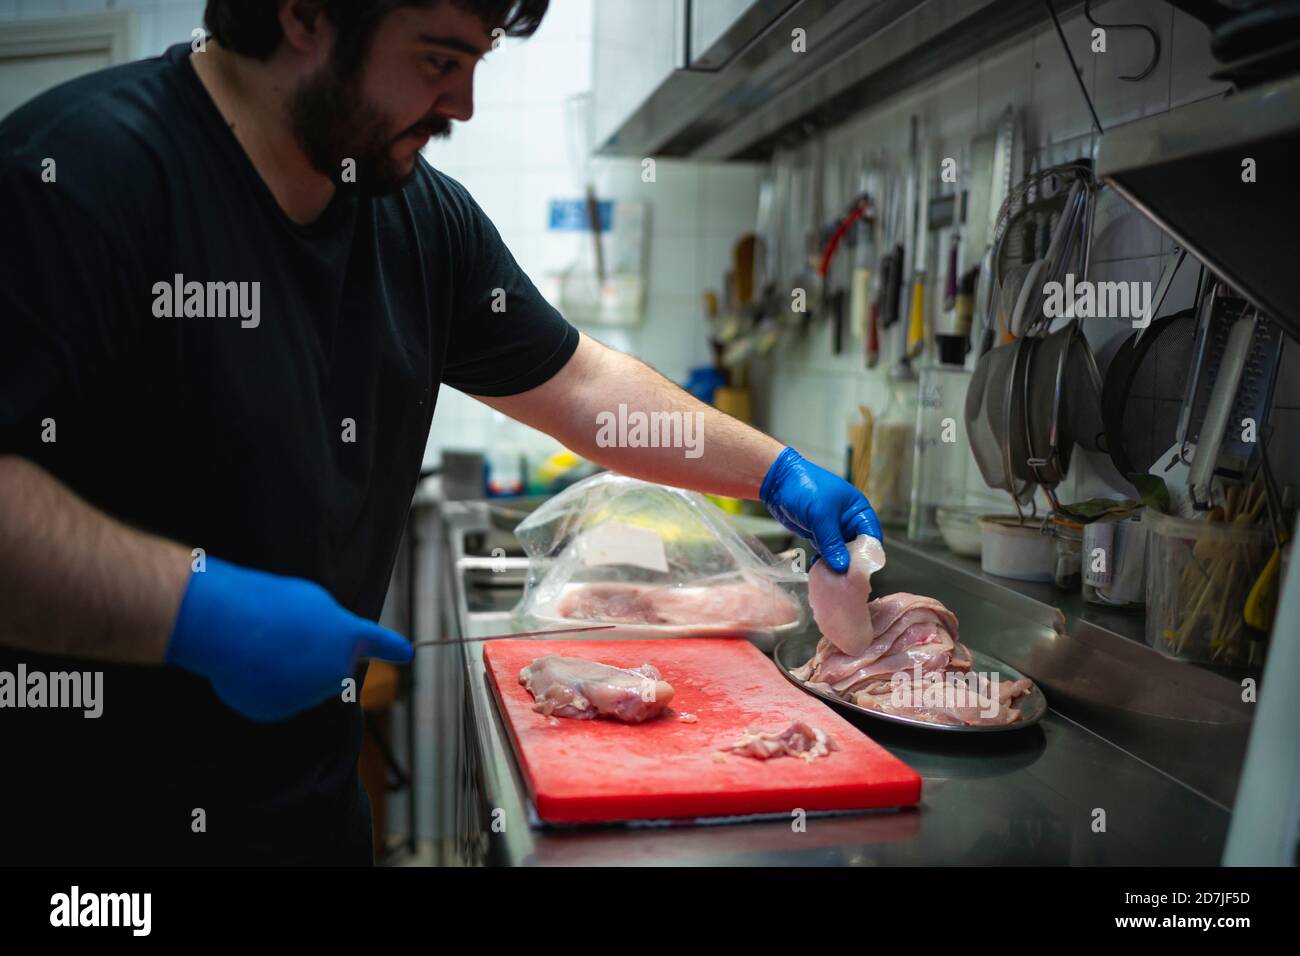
<point x="307" y="30"/>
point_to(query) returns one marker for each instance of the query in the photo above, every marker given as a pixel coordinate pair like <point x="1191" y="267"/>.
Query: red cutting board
<point x="601" y="771"/>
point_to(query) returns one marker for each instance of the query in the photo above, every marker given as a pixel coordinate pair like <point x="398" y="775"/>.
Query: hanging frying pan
<point x="1136" y="432"/>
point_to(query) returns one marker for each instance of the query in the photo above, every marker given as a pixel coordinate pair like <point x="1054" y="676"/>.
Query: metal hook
<point x="1155" y="40"/>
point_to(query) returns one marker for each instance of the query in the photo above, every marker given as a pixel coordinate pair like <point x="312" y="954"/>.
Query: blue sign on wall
<point x="570" y="215"/>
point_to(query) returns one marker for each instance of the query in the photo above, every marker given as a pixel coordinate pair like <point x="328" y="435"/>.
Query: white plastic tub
<point x="960" y="529"/>
<point x="1021" y="552"/>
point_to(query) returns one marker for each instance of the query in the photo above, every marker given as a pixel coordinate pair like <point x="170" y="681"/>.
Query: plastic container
<point x="1021" y="552"/>
<point x="960" y="529"/>
<point x="507" y="473"/>
<point x="704" y="382"/>
<point x="1198" y="576"/>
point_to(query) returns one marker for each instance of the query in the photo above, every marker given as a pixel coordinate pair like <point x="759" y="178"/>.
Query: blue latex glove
<point x="819" y="506"/>
<point x="272" y="646"/>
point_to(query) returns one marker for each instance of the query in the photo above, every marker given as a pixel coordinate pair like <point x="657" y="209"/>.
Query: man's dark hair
<point x="252" y="27"/>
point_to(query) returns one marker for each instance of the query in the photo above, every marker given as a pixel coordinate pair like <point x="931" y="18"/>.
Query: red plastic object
<point x="602" y="771"/>
<point x="860" y="208"/>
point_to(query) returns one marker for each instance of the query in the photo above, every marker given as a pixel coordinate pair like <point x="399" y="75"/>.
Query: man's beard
<point x="333" y="123"/>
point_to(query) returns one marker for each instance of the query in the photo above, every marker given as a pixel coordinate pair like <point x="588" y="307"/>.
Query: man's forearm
<point x="724" y="456"/>
<point x="580" y="406"/>
<point x="74" y="582"/>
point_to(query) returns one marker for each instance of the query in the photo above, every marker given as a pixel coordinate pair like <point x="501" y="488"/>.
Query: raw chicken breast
<point x="888" y="610"/>
<point x="576" y="687"/>
<point x="605" y="602"/>
<point x="835" y="667"/>
<point x="800" y="739"/>
<point x="839" y="601"/>
<point x="929" y="655"/>
<point x="741" y="604"/>
<point x="977" y="705"/>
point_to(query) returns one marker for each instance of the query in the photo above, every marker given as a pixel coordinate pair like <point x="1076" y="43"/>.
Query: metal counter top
<point x="1025" y="798"/>
<point x="1035" y="797"/>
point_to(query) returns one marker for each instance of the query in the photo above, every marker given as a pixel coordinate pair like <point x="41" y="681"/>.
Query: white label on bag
<point x="616" y="543"/>
<point x="1102" y="537"/>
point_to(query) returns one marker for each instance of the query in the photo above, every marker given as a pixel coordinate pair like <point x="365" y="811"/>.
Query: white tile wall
<point x="1004" y="78"/>
<point x="515" y="157"/>
<point x="1058" y="110"/>
<point x="1121" y="232"/>
<point x="158" y="23"/>
<point x="1128" y="52"/>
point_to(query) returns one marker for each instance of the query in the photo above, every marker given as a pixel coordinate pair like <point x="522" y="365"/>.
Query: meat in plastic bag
<point x="614" y="549"/>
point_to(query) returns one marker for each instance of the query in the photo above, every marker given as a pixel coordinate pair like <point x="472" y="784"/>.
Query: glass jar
<point x="941" y="453"/>
<point x="1068" y="533"/>
<point x="889" y="486"/>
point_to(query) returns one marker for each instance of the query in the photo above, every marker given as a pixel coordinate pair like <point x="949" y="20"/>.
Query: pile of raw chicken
<point x="901" y="654"/>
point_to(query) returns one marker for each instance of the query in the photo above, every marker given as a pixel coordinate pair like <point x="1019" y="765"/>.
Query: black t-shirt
<point x="226" y="432"/>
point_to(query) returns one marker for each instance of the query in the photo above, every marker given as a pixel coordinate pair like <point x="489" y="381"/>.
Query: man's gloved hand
<point x="819" y="506"/>
<point x="272" y="646"/>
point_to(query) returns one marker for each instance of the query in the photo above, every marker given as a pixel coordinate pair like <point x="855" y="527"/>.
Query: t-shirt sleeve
<point x="66" y="282"/>
<point x="505" y="338"/>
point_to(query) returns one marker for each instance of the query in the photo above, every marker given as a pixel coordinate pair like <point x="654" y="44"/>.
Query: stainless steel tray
<point x="796" y="649"/>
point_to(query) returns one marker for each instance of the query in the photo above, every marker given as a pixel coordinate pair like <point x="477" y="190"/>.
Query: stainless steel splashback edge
<point x="1184" y="171"/>
<point x="860" y="52"/>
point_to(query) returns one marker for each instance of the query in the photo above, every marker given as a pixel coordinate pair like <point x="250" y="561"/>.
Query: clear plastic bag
<point x="658" y="561"/>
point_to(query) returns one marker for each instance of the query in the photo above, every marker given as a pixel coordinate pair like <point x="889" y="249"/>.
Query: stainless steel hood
<point x="1185" y="170"/>
<point x="748" y="92"/>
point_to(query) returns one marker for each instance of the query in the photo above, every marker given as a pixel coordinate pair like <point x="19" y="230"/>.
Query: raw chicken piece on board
<point x="800" y="739"/>
<point x="575" y="687"/>
<point x="839" y="601"/>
